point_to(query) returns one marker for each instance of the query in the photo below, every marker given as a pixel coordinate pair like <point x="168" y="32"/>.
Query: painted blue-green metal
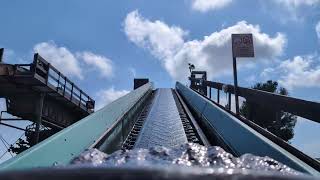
<point x="62" y="147"/>
<point x="237" y="135"/>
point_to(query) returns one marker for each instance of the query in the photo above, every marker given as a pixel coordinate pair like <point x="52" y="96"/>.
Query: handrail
<point x="63" y="82"/>
<point x="306" y="109"/>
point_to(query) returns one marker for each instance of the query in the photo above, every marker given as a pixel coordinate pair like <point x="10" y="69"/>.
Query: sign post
<point x="242" y="46"/>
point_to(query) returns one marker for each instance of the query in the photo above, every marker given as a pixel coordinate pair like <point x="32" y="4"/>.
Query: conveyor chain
<point x="133" y="135"/>
<point x="188" y="128"/>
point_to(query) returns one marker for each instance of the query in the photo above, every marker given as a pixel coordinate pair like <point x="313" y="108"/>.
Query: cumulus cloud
<point x="301" y="71"/>
<point x="70" y="63"/>
<point x="107" y="96"/>
<point x="212" y="53"/>
<point x="60" y="57"/>
<point x="207" y="5"/>
<point x="147" y="34"/>
<point x="103" y="64"/>
<point x="318" y="30"/>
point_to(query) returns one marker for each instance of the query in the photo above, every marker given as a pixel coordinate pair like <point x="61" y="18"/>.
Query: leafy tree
<point x="24" y="144"/>
<point x="277" y="122"/>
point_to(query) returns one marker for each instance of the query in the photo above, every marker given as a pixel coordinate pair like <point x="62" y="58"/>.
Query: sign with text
<point x="242" y="45"/>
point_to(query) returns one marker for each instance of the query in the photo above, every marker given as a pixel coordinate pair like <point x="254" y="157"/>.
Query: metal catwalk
<point x="163" y="126"/>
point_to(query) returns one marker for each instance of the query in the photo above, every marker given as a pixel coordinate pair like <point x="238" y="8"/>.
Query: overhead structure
<point x="42" y="94"/>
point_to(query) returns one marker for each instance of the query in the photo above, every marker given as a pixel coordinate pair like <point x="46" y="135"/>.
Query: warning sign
<point x="242" y="45"/>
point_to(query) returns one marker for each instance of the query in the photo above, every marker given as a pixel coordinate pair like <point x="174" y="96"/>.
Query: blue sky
<point x="103" y="45"/>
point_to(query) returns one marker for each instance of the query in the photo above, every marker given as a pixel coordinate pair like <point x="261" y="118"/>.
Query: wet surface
<point x="190" y="155"/>
<point x="163" y="126"/>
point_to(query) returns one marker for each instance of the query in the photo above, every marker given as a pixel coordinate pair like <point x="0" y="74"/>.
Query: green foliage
<point x="22" y="145"/>
<point x="277" y="122"/>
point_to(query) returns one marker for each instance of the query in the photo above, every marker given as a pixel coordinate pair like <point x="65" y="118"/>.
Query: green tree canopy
<point x="277" y="122"/>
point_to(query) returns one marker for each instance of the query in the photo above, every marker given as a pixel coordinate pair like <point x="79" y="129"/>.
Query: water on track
<point x="187" y="156"/>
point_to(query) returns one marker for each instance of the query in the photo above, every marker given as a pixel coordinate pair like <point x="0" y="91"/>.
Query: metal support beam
<point x="38" y="117"/>
<point x="10" y="119"/>
<point x="229" y="101"/>
<point x="8" y="125"/>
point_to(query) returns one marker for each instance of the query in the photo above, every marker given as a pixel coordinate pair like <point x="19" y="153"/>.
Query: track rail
<point x="191" y="127"/>
<point x="132" y="137"/>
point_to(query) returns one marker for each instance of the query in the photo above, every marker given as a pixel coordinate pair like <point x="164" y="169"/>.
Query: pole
<point x="39" y="107"/>
<point x="218" y="96"/>
<point x="1" y="54"/>
<point x="235" y="84"/>
<point x="8" y="125"/>
<point x="229" y="101"/>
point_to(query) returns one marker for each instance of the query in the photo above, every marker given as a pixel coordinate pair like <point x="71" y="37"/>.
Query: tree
<point x="277" y="122"/>
<point x="22" y="145"/>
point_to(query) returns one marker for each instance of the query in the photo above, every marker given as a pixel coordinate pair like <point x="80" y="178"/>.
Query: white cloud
<point x="301" y="71"/>
<point x="318" y="30"/>
<point x="266" y="72"/>
<point x="293" y="4"/>
<point x="148" y="34"/>
<point x="60" y="57"/>
<point x="212" y="53"/>
<point x="103" y="64"/>
<point x="69" y="63"/>
<point x="207" y="5"/>
<point x="105" y="97"/>
<point x="294" y="10"/>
